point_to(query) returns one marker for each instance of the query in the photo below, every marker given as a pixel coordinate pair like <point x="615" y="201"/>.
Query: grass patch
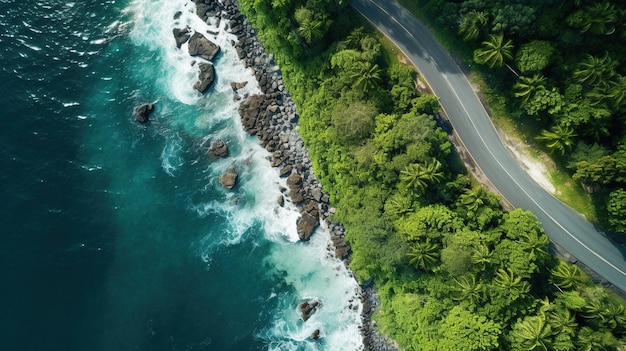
<point x="573" y="194"/>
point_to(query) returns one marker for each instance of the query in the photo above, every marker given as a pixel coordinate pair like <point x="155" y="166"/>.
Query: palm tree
<point x="532" y="333"/>
<point x="398" y="205"/>
<point x="511" y="283"/>
<point x="566" y="276"/>
<point x="562" y="321"/>
<point x="527" y="86"/>
<point x="353" y="40"/>
<point x="596" y="70"/>
<point x="536" y="243"/>
<point x="495" y="51"/>
<point x="366" y="76"/>
<point x="559" y="139"/>
<point x="418" y="177"/>
<point x="469" y="289"/>
<point x="482" y="256"/>
<point x="311" y="30"/>
<point x="613" y="315"/>
<point x="473" y="197"/>
<point x="598" y="18"/>
<point x="591" y="340"/>
<point x="471" y="24"/>
<point x="617" y="91"/>
<point x="424" y="255"/>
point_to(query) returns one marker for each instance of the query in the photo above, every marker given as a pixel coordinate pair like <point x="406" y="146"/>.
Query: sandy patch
<point x="534" y="162"/>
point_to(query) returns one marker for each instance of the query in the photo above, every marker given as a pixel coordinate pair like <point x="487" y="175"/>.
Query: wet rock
<point x="238" y="85"/>
<point x="181" y="35"/>
<point x="229" y="178"/>
<point x="206" y="77"/>
<point x="218" y="149"/>
<point x="307" y="308"/>
<point x="316" y="334"/>
<point x="285" y="170"/>
<point x="142" y="113"/>
<point x="294" y="180"/>
<point x="199" y="45"/>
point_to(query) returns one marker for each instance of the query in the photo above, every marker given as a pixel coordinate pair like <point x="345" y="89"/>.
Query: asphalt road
<point x="471" y="122"/>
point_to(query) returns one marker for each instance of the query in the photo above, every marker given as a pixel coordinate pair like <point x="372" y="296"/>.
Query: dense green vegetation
<point x="454" y="271"/>
<point x="568" y="83"/>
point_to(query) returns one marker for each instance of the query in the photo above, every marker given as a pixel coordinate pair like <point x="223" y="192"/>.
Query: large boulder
<point x="307" y="308"/>
<point x="142" y="113"/>
<point x="229" y="178"/>
<point x="218" y="149"/>
<point x="199" y="45"/>
<point x="309" y="220"/>
<point x="181" y="35"/>
<point x="206" y="77"/>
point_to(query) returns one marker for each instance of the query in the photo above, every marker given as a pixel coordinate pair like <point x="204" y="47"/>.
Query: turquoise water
<point x="117" y="236"/>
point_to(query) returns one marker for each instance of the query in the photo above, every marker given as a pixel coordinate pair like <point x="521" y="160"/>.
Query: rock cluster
<point x="199" y="46"/>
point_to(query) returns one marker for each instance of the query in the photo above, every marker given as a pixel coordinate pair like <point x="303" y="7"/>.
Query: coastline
<point x="272" y="118"/>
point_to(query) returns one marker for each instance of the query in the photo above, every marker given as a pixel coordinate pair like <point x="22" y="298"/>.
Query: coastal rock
<point x="238" y="85"/>
<point x="142" y="113"/>
<point x="218" y="149"/>
<point x="229" y="178"/>
<point x="199" y="45"/>
<point x="306" y="224"/>
<point x="294" y="180"/>
<point x="181" y="35"/>
<point x="206" y="77"/>
<point x="315" y="335"/>
<point x="307" y="308"/>
<point x="285" y="171"/>
<point x="280" y="201"/>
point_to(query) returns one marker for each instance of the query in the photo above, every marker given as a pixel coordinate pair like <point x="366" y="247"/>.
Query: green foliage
<point x="513" y="19"/>
<point x="494" y="52"/>
<point x="597" y="18"/>
<point x="465" y="331"/>
<point x="566" y="276"/>
<point x="354" y="121"/>
<point x="472" y="24"/>
<point x="534" y="56"/>
<point x="617" y="210"/>
<point x="595" y="71"/>
<point x="559" y="139"/>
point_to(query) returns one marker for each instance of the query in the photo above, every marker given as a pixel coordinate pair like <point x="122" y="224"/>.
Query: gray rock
<point x="181" y="35"/>
<point x="199" y="45"/>
<point x="218" y="149"/>
<point x="206" y="77"/>
<point x="229" y="178"/>
<point x="142" y="113"/>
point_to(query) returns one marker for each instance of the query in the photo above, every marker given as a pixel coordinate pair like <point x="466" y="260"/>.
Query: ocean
<point x="117" y="235"/>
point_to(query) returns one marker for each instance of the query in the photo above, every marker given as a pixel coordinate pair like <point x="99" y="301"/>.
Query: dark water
<point x="116" y="236"/>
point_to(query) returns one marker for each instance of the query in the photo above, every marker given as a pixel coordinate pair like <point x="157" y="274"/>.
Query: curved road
<point x="564" y="226"/>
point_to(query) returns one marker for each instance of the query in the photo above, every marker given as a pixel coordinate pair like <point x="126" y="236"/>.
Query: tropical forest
<point x="454" y="270"/>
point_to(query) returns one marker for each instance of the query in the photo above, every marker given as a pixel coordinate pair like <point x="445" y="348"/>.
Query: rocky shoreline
<point x="272" y="117"/>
